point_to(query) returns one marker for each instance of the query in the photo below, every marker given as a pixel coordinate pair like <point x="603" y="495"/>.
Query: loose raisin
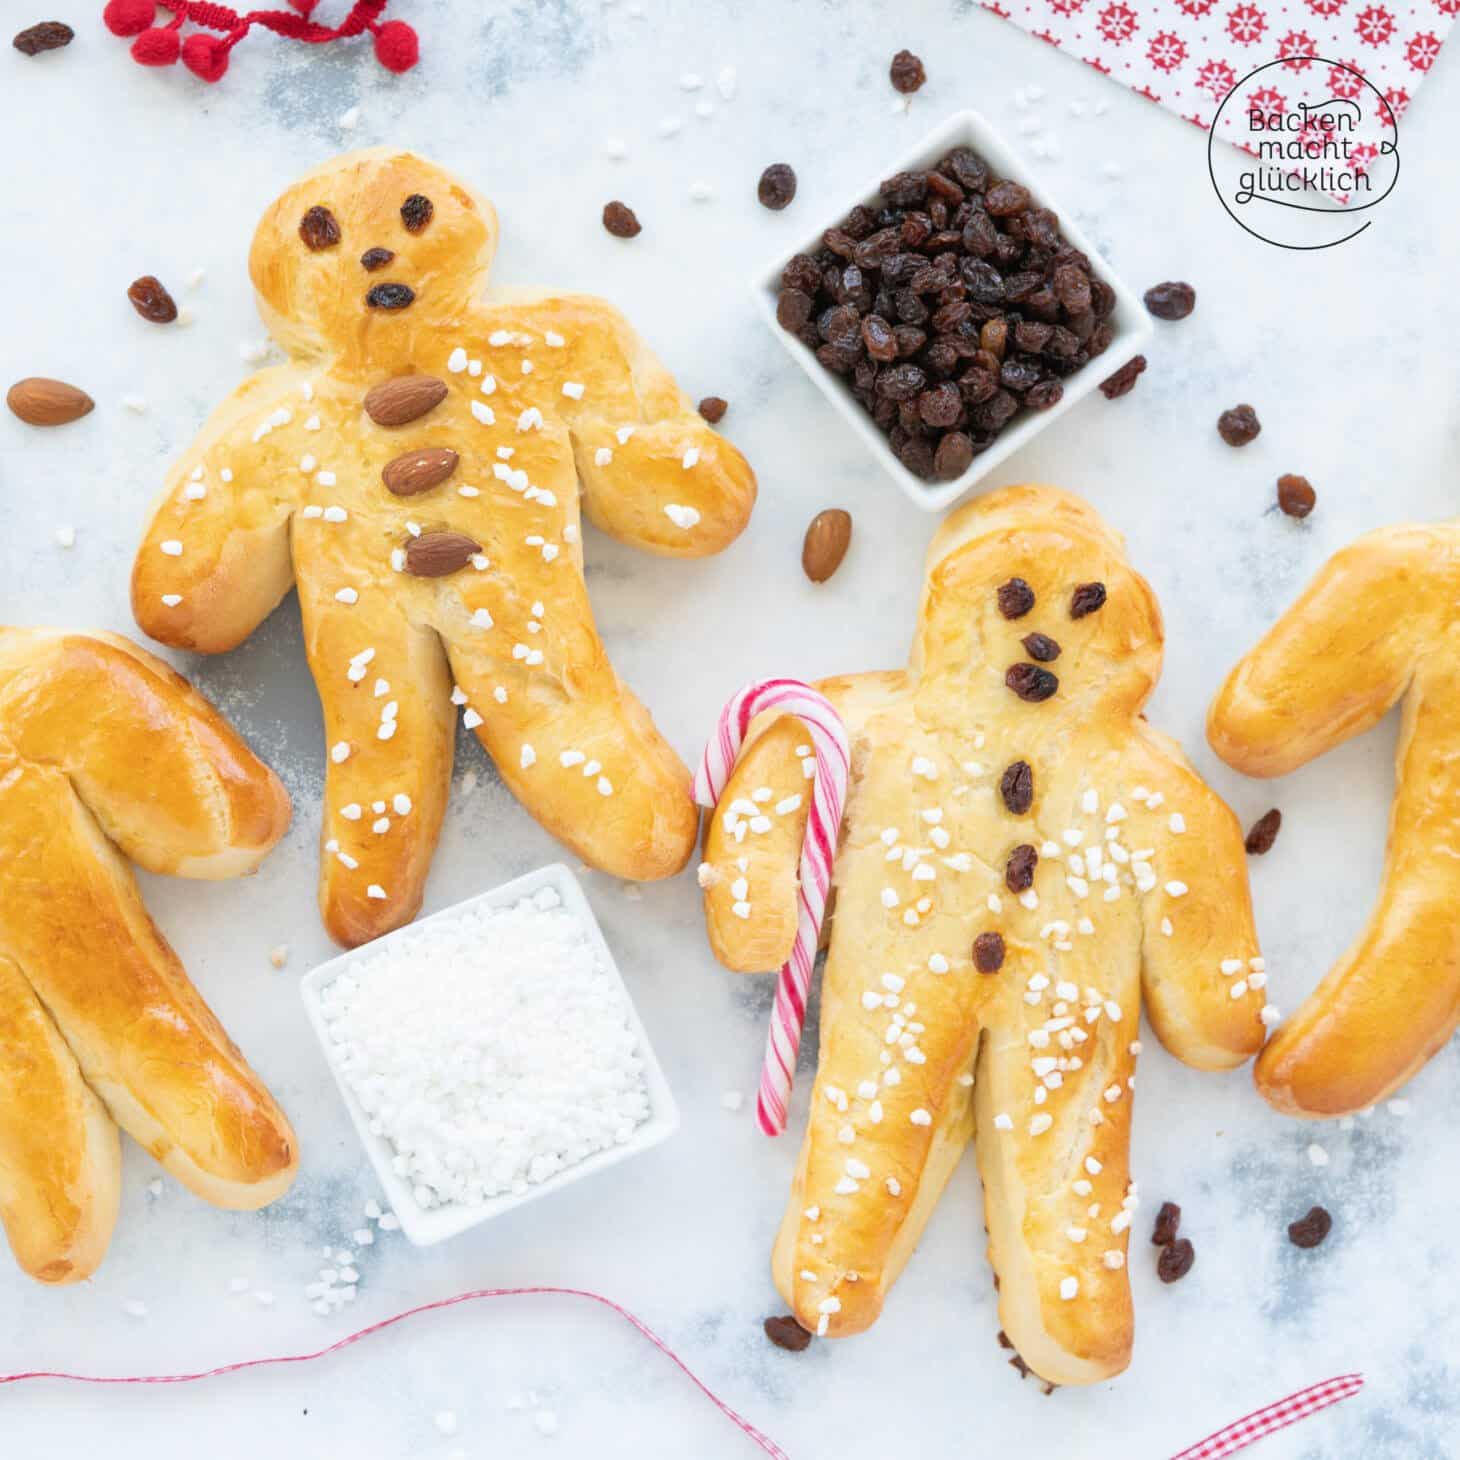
<point x="390" y="296"/>
<point x="1124" y="379"/>
<point x="777" y="186"/>
<point x="1310" y="1230"/>
<point x="1295" y="495"/>
<point x="1019" y="869"/>
<point x="786" y="1333"/>
<point x="1016" y="598"/>
<point x="1172" y="300"/>
<point x="1016" y="787"/>
<point x="713" y="409"/>
<point x="1264" y="833"/>
<point x="375" y="258"/>
<point x="1087" y="599"/>
<point x="1168" y="1224"/>
<point x="988" y="952"/>
<point x="319" y="230"/>
<point x="1175" y="1261"/>
<point x="151" y="300"/>
<point x="621" y="220"/>
<point x="1041" y="647"/>
<point x="907" y="73"/>
<point x="417" y="212"/>
<point x="1239" y="425"/>
<point x="1030" y="682"/>
<point x="49" y="35"/>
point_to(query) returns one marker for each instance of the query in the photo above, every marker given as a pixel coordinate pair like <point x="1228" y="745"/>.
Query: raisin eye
<point x="416" y="212"/>
<point x="318" y="229"/>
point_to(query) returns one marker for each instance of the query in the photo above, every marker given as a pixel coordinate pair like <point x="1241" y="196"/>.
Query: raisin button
<point x="1041" y="647"/>
<point x="1239" y="425"/>
<point x="1019" y="869"/>
<point x="1031" y="683"/>
<point x="988" y="952"/>
<point x="390" y="296"/>
<point x="1016" y="786"/>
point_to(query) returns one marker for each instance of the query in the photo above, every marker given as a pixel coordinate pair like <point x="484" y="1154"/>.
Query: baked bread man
<point x="1380" y="623"/>
<point x="107" y="755"/>
<point x="416" y="471"/>
<point x="1021" y="856"/>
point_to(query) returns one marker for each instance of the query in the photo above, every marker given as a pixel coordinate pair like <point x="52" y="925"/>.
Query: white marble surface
<point x="112" y="171"/>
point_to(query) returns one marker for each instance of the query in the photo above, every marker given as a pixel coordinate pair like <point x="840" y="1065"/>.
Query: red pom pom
<point x="156" y="47"/>
<point x="128" y="17"/>
<point x="205" y="56"/>
<point x="396" y="46"/>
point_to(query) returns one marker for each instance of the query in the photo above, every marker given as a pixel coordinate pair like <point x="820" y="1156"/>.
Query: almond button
<point x="827" y="540"/>
<point x="435" y="554"/>
<point x="41" y="402"/>
<point x="404" y="398"/>
<point x="419" y="471"/>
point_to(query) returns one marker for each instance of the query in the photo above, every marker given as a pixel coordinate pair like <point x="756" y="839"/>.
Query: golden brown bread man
<point x="1021" y="854"/>
<point x="1379" y="623"/>
<point x="416" y="470"/>
<point x="106" y="754"/>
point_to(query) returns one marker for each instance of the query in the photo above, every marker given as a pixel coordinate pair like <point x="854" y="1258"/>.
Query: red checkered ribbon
<point x="1263" y="1422"/>
<point x="763" y="1441"/>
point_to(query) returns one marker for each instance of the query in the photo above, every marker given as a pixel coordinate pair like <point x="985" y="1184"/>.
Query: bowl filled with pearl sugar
<point x="489" y="1054"/>
<point x="950" y="310"/>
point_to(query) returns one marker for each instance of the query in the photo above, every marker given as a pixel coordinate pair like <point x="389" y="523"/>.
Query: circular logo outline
<point x="1362" y="207"/>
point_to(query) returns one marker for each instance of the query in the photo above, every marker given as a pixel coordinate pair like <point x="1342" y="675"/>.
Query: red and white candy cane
<point x="818" y="851"/>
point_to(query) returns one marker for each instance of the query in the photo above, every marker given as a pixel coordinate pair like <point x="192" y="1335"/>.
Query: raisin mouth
<point x="391" y="296"/>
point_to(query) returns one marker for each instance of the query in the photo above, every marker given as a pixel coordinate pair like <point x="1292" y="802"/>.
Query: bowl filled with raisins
<point x="952" y="313"/>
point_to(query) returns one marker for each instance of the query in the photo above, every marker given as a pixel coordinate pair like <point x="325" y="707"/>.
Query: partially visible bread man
<point x="106" y="755"/>
<point x="1379" y="624"/>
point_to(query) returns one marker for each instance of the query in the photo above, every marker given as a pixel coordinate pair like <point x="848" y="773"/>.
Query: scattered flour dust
<point x="491" y="1050"/>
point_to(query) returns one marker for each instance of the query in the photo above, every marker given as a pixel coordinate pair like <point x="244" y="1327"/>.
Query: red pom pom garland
<point x="396" y="45"/>
<point x="129" y="17"/>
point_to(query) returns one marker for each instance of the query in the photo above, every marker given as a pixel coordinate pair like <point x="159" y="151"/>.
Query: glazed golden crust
<point x="550" y="399"/>
<point x="98" y="1021"/>
<point x="919" y="1048"/>
<point x="1379" y="623"/>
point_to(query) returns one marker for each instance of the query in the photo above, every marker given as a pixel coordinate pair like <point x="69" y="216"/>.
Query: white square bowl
<point x="426" y="1226"/>
<point x="1132" y="324"/>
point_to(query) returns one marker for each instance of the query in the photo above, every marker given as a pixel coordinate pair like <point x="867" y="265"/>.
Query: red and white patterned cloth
<point x="1188" y="54"/>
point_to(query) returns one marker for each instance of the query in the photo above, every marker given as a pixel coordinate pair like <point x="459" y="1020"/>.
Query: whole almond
<point x="404" y="398"/>
<point x="827" y="540"/>
<point x="435" y="554"/>
<point x="41" y="402"/>
<point x="419" y="471"/>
